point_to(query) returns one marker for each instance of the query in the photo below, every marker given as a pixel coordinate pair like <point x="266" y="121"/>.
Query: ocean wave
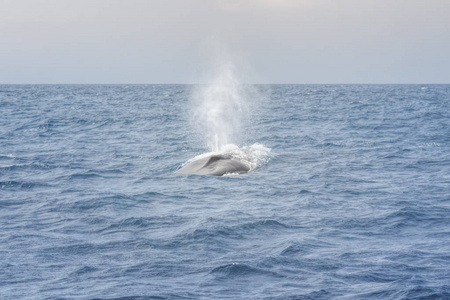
<point x="239" y="270"/>
<point x="220" y="234"/>
<point x="22" y="185"/>
<point x="84" y="175"/>
<point x="26" y="166"/>
<point x="304" y="247"/>
<point x="141" y="223"/>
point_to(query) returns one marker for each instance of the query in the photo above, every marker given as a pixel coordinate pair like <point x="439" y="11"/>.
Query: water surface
<point x="353" y="202"/>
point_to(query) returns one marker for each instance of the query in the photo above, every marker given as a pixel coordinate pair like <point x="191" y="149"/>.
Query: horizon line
<point x="413" y="83"/>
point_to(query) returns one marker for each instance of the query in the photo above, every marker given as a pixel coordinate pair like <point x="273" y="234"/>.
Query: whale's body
<point x="216" y="165"/>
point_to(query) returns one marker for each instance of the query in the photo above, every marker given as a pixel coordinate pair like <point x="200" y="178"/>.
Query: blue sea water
<point x="353" y="201"/>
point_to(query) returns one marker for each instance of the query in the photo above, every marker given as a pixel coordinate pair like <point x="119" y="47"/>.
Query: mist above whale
<point x="219" y="111"/>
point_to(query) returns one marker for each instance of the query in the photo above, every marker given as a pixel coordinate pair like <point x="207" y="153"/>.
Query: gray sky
<point x="272" y="41"/>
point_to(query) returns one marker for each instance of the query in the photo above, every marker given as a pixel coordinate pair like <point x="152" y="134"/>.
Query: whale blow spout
<point x="216" y="165"/>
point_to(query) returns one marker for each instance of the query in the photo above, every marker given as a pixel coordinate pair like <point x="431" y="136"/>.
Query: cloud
<point x="283" y="40"/>
<point x="249" y="5"/>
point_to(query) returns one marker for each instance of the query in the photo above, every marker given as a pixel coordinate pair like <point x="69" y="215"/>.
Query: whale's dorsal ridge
<point x="215" y="158"/>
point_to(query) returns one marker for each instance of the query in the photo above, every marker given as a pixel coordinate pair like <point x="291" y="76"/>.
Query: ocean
<point x="348" y="196"/>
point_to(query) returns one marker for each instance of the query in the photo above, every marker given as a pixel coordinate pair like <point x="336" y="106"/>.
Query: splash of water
<point x="220" y="108"/>
<point x="221" y="111"/>
<point x="254" y="155"/>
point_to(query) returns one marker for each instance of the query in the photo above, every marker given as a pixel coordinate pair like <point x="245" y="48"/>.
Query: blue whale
<point x="216" y="165"/>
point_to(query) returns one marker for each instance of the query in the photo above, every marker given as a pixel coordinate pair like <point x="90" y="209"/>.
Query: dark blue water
<point x="354" y="202"/>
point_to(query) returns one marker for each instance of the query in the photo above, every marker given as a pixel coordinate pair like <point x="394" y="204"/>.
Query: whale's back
<point x="216" y="165"/>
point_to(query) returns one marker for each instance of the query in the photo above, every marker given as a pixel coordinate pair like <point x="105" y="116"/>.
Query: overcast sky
<point x="272" y="41"/>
